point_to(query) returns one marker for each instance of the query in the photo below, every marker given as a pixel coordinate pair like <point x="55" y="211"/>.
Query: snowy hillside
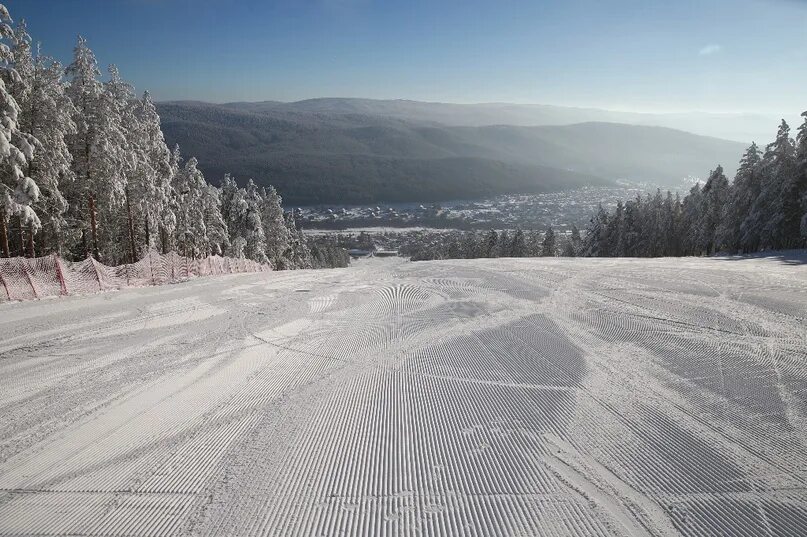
<point x="486" y="397"/>
<point x="336" y="157"/>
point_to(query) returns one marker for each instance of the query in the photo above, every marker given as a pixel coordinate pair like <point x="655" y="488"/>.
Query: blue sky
<point x="643" y="55"/>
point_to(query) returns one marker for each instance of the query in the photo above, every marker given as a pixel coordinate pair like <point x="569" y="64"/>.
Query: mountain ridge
<point x="317" y="153"/>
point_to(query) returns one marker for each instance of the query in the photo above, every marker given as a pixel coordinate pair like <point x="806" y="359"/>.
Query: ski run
<point x="512" y="397"/>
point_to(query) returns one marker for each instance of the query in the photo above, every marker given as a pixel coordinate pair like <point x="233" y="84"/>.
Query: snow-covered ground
<point x="488" y="397"/>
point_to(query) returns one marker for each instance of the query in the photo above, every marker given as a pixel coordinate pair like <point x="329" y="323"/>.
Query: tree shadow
<point x="785" y="257"/>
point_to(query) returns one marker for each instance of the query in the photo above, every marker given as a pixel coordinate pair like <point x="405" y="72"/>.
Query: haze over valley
<point x="345" y="151"/>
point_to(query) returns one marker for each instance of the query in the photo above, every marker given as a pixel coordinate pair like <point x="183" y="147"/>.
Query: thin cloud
<point x="708" y="50"/>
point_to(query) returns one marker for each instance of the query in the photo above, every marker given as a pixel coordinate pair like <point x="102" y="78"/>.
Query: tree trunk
<point x="93" y="227"/>
<point x="31" y="250"/>
<point x="164" y="239"/>
<point x="148" y="235"/>
<point x="4" y="233"/>
<point x="22" y="237"/>
<point x="131" y="228"/>
<point x="84" y="242"/>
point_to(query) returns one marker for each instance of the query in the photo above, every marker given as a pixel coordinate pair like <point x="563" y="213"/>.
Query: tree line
<point x="763" y="208"/>
<point x="85" y="170"/>
<point x="426" y="246"/>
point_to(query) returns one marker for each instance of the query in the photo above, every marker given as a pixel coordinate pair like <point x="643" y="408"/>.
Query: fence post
<point x="60" y="274"/>
<point x="24" y="269"/>
<point x="3" y="281"/>
<point x="151" y="265"/>
<point x="97" y="275"/>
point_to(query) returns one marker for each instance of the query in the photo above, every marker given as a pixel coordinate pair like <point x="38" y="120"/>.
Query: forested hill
<point x="340" y="156"/>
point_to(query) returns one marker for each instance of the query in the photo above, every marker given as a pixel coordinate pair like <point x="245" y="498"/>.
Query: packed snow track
<point x="489" y="397"/>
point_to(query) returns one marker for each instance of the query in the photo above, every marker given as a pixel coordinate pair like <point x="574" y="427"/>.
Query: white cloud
<point x="708" y="50"/>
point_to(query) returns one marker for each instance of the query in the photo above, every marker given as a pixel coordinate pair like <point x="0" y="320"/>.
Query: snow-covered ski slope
<point x="489" y="397"/>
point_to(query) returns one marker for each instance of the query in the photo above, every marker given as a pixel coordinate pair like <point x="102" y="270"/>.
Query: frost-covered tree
<point x="733" y="232"/>
<point x="576" y="241"/>
<point x="768" y="212"/>
<point x="94" y="147"/>
<point x="47" y="115"/>
<point x="151" y="183"/>
<point x="276" y="233"/>
<point x="692" y="211"/>
<point x="490" y="244"/>
<point x="298" y="254"/>
<point x="548" y="248"/>
<point x="217" y="234"/>
<point x="18" y="192"/>
<point x="715" y="195"/>
<point x="518" y="246"/>
<point x="125" y="157"/>
<point x="798" y="190"/>
<point x="255" y="247"/>
<point x="595" y="240"/>
<point x="235" y="211"/>
<point x="189" y="188"/>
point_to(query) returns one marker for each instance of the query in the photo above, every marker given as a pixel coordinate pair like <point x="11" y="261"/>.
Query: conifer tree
<point x="797" y="219"/>
<point x="255" y="247"/>
<point x="18" y="192"/>
<point x="768" y="212"/>
<point x="46" y="115"/>
<point x="518" y="246"/>
<point x="548" y="247"/>
<point x="275" y="231"/>
<point x="734" y="232"/>
<point x="93" y="147"/>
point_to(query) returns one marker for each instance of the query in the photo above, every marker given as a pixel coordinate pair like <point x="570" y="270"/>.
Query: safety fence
<point x="29" y="278"/>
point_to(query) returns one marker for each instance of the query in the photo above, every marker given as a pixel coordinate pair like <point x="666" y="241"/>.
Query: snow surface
<point x="486" y="397"/>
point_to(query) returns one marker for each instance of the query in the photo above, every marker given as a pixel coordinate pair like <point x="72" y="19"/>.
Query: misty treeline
<point x="763" y="208"/>
<point x="425" y="246"/>
<point x="85" y="170"/>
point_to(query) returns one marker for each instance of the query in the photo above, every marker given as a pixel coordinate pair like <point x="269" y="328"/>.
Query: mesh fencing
<point x="29" y="278"/>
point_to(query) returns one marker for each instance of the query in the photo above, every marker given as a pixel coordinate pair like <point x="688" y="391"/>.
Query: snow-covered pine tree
<point x="800" y="183"/>
<point x="734" y="231"/>
<point x="518" y="246"/>
<point x="299" y="255"/>
<point x="152" y="184"/>
<point x="566" y="248"/>
<point x="691" y="211"/>
<point x="470" y="248"/>
<point x="652" y="239"/>
<point x="94" y="147"/>
<point x="715" y="198"/>
<point x="234" y="210"/>
<point x="255" y="248"/>
<point x="778" y="167"/>
<point x="46" y="115"/>
<point x="119" y="238"/>
<point x="18" y="192"/>
<point x="548" y="246"/>
<point x="187" y="203"/>
<point x="274" y="226"/>
<point x="218" y="239"/>
<point x="595" y="239"/>
<point x="576" y="241"/>
<point x="490" y="244"/>
<point x="615" y="232"/>
<point x="628" y="231"/>
<point x="504" y="244"/>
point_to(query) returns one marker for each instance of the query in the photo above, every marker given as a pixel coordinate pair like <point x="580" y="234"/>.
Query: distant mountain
<point x="742" y="127"/>
<point x="357" y="151"/>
